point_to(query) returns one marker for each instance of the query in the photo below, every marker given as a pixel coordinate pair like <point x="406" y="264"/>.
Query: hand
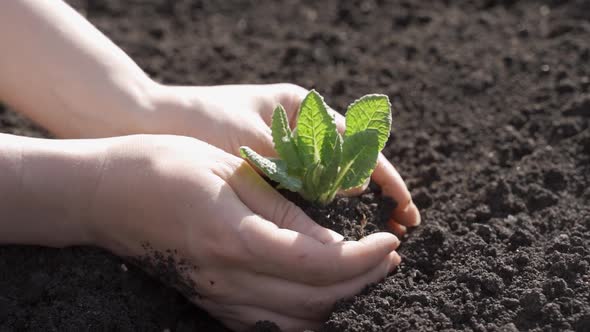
<point x="234" y="115"/>
<point x="203" y="220"/>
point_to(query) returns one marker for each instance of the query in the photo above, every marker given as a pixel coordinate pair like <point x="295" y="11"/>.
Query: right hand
<point x="205" y="221"/>
<point x="230" y="116"/>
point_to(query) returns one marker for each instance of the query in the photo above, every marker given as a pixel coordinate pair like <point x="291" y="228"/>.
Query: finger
<point x="290" y="96"/>
<point x="397" y="229"/>
<point x="355" y="191"/>
<point x="244" y="317"/>
<point x="305" y="301"/>
<point x="298" y="257"/>
<point x="392" y="184"/>
<point x="264" y="200"/>
<point x="339" y="119"/>
<point x="288" y="254"/>
<point x="264" y="136"/>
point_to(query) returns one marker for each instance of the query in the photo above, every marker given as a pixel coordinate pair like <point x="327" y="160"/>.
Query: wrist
<point x="131" y="109"/>
<point x="49" y="183"/>
<point x="123" y="104"/>
<point x="137" y="106"/>
<point x="129" y="174"/>
<point x="173" y="110"/>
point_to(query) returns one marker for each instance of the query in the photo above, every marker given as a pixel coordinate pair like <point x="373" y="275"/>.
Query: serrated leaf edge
<point x="272" y="171"/>
<point x="389" y="117"/>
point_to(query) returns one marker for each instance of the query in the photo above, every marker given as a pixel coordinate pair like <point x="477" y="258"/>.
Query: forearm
<point x="66" y="75"/>
<point x="46" y="187"/>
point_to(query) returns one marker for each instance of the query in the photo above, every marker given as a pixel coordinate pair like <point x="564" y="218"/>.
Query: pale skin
<point x="190" y="193"/>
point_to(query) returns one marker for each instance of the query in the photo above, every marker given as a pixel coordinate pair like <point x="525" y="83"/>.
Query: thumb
<point x="264" y="200"/>
<point x="357" y="190"/>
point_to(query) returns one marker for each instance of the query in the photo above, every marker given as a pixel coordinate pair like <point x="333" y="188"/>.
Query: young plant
<point x="315" y="160"/>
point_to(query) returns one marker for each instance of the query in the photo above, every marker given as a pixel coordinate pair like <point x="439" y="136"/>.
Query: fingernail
<point x="395" y="261"/>
<point x="398" y="229"/>
<point x="412" y="210"/>
<point x="418" y="217"/>
<point x="397" y="242"/>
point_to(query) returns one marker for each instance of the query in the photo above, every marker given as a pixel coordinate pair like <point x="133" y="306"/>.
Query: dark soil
<point x="491" y="132"/>
<point x="353" y="217"/>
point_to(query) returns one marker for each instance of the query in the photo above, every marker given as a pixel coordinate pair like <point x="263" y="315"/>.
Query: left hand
<point x="204" y="222"/>
<point x="230" y="116"/>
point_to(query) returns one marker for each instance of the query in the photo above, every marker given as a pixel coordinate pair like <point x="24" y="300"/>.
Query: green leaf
<point x="370" y="112"/>
<point x="359" y="158"/>
<point x="283" y="140"/>
<point x="316" y="131"/>
<point x="311" y="181"/>
<point x="330" y="173"/>
<point x="276" y="170"/>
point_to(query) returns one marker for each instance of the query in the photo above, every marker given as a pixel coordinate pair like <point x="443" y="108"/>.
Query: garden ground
<point x="491" y="131"/>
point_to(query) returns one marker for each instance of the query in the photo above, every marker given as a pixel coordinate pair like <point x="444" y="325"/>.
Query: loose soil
<point x="491" y="132"/>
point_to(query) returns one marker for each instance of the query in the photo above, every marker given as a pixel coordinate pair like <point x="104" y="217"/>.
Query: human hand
<point x="204" y="221"/>
<point x="231" y="116"/>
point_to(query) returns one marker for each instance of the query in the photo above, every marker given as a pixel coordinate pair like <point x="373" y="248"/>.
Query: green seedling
<point x="314" y="159"/>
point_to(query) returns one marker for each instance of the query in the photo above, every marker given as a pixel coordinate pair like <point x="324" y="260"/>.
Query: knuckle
<point x="224" y="248"/>
<point x="286" y="214"/>
<point x="227" y="166"/>
<point x="246" y="245"/>
<point x="290" y="96"/>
